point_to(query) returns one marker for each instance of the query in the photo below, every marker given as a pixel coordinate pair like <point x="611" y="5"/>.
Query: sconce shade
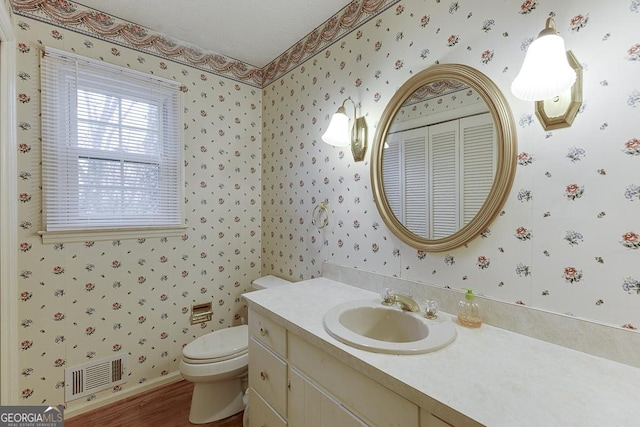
<point x="338" y="133"/>
<point x="545" y="72"/>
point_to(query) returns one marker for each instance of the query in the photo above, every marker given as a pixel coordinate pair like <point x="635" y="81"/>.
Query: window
<point x="112" y="146"/>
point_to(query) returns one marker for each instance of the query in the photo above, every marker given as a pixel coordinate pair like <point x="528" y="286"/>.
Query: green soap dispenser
<point x="469" y="314"/>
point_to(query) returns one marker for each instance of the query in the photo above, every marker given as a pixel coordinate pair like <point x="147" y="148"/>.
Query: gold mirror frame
<point x="505" y="165"/>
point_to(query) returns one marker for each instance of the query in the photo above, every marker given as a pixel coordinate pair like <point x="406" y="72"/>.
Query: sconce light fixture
<point x="552" y="77"/>
<point x="340" y="134"/>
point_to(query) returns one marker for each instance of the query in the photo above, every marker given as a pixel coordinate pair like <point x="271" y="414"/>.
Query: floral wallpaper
<point x="84" y="301"/>
<point x="568" y="238"/>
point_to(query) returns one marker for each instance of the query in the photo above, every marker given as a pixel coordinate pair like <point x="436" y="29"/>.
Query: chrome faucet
<point x="405" y="301"/>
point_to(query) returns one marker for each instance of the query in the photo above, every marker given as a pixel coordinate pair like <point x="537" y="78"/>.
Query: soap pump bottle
<point x="469" y="311"/>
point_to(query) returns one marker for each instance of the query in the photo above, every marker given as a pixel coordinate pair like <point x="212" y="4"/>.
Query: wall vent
<point x="95" y="376"/>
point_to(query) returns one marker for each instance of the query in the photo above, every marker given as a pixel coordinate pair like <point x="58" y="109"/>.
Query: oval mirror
<point x="443" y="158"/>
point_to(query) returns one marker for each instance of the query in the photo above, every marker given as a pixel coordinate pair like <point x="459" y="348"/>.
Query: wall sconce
<point x="552" y="77"/>
<point x="339" y="134"/>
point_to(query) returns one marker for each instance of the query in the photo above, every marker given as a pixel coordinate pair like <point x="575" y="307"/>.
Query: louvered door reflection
<point x="478" y="163"/>
<point x="444" y="201"/>
<point x="437" y="177"/>
<point x="416" y="183"/>
<point x="392" y="171"/>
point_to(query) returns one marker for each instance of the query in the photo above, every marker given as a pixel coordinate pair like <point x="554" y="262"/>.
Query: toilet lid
<point x="218" y="344"/>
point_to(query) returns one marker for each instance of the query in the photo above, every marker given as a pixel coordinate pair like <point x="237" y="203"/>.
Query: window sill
<point x="52" y="237"/>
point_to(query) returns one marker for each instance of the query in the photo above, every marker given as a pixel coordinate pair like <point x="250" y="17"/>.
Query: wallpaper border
<point x="94" y="23"/>
<point x="342" y="23"/>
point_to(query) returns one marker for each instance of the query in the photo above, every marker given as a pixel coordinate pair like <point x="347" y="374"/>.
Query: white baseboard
<point x="84" y="407"/>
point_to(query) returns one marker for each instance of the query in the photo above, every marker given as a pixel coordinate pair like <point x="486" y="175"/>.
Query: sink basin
<point x="369" y="325"/>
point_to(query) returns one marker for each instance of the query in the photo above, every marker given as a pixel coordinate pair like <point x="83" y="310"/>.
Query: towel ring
<point x="321" y="222"/>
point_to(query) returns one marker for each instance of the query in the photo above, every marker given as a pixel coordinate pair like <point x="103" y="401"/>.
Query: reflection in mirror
<point x="443" y="158"/>
<point x="443" y="134"/>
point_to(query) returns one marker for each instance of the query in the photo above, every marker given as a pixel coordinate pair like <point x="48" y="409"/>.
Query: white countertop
<point x="496" y="377"/>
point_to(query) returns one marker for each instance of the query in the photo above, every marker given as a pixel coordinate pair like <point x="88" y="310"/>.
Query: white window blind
<point x="112" y="146"/>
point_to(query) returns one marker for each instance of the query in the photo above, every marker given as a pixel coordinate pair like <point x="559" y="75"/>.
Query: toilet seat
<point x="213" y="359"/>
<point x="217" y="346"/>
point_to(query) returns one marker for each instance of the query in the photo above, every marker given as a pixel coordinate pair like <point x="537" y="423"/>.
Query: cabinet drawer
<point x="261" y="414"/>
<point x="268" y="332"/>
<point x="268" y="376"/>
<point x="369" y="400"/>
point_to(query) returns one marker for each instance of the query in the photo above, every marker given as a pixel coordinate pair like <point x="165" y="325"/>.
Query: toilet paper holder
<point x="201" y="312"/>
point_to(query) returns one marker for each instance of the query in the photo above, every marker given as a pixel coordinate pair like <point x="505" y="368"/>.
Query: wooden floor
<point x="166" y="406"/>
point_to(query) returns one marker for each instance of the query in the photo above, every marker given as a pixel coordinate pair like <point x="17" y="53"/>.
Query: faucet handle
<point x="431" y="309"/>
<point x="388" y="297"/>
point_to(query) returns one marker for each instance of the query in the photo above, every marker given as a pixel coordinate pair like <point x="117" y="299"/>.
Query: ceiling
<point x="253" y="31"/>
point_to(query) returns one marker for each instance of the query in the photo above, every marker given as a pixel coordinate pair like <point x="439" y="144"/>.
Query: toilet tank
<point x="267" y="282"/>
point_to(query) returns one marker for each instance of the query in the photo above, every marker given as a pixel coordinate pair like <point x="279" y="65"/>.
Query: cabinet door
<point x="309" y="406"/>
<point x="439" y="415"/>
<point x="434" y="421"/>
<point x="370" y="400"/>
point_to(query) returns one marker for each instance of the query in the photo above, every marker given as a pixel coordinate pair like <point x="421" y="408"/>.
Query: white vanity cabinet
<point x="328" y="383"/>
<point x="294" y="383"/>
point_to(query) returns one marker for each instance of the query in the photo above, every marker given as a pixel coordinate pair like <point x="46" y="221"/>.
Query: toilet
<point x="217" y="364"/>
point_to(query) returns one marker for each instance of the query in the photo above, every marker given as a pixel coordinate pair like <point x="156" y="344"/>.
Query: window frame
<point x="63" y="146"/>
